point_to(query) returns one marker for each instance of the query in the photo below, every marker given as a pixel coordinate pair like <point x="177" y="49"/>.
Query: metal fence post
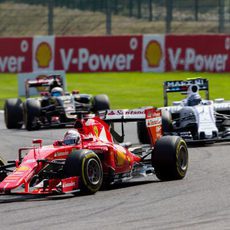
<point x="50" y="17"/>
<point x="139" y="15"/>
<point x="196" y="9"/>
<point x="150" y="11"/>
<point x="130" y="8"/>
<point x="115" y="7"/>
<point x="108" y="18"/>
<point x="221" y="16"/>
<point x="169" y="15"/>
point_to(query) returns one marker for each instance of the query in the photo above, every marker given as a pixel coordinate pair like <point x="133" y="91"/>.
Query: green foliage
<point x="126" y="90"/>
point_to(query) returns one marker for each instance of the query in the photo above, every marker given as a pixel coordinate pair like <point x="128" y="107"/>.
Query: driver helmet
<point x="57" y="91"/>
<point x="194" y="99"/>
<point x="72" y="137"/>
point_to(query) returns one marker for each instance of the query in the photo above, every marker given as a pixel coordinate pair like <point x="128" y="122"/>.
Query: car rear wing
<point x="43" y="83"/>
<point x="123" y="115"/>
<point x="182" y="86"/>
<point x="151" y="116"/>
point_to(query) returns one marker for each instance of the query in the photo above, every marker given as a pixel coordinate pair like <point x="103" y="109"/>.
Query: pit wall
<point x="142" y="53"/>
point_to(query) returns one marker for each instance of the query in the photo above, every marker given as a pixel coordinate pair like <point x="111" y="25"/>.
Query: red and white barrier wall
<point x="147" y="53"/>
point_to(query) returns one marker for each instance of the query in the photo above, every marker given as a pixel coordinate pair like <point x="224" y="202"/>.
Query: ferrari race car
<point x="194" y="119"/>
<point x="90" y="157"/>
<point x="53" y="108"/>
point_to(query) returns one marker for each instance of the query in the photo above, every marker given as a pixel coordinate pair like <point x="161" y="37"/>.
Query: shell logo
<point x="120" y="158"/>
<point x="95" y="129"/>
<point x="43" y="55"/>
<point x="153" y="54"/>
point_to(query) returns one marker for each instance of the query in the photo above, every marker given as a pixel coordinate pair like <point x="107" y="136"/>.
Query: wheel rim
<point x="183" y="158"/>
<point x="93" y="171"/>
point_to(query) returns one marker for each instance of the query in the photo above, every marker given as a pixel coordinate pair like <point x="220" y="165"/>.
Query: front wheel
<point x="31" y="113"/>
<point x="87" y="165"/>
<point x="170" y="158"/>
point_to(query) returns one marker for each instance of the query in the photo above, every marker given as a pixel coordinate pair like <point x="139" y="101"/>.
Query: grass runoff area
<point x="126" y="90"/>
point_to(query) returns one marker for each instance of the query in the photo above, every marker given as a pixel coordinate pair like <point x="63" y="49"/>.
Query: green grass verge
<point x="126" y="90"/>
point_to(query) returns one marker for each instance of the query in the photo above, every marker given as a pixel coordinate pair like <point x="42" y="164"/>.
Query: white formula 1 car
<point x="194" y="119"/>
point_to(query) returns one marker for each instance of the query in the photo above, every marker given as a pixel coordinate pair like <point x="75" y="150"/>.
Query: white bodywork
<point x="206" y="121"/>
<point x="203" y="115"/>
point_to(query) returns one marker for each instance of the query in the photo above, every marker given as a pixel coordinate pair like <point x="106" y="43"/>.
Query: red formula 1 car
<point x="89" y="157"/>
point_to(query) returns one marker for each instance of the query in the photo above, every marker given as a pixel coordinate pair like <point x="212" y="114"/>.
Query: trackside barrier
<point x="140" y="53"/>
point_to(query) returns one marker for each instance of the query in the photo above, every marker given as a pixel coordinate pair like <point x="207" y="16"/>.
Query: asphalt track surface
<point x="200" y="201"/>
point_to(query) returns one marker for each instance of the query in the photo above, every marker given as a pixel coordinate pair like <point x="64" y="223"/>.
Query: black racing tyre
<point x="87" y="165"/>
<point x="13" y="113"/>
<point x="142" y="133"/>
<point x="101" y="102"/>
<point x="170" y="158"/>
<point x="3" y="173"/>
<point x="167" y="126"/>
<point x="31" y="114"/>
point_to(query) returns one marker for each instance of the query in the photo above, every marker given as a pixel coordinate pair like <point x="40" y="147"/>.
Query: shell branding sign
<point x="153" y="53"/>
<point x="124" y="53"/>
<point x="43" y="53"/>
<point x="15" y="54"/>
<point x="198" y="53"/>
<point x="98" y="53"/>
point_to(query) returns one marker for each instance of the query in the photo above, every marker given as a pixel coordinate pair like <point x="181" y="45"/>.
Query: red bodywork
<point x="95" y="136"/>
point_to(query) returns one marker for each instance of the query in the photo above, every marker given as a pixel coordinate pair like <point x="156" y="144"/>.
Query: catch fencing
<point x="100" y="17"/>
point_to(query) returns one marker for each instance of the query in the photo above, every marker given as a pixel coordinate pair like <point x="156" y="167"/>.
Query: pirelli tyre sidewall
<point x="87" y="165"/>
<point x="170" y="158"/>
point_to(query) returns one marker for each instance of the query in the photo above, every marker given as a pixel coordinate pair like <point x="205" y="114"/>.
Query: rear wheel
<point x="13" y="113"/>
<point x="142" y="133"/>
<point x="87" y="165"/>
<point x="170" y="158"/>
<point x="101" y="102"/>
<point x="32" y="110"/>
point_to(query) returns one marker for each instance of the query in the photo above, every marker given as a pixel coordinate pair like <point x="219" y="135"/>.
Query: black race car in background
<point x="55" y="108"/>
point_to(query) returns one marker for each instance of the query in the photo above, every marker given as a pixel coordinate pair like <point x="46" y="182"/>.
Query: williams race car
<point x="53" y="108"/>
<point x="90" y="157"/>
<point x="195" y="119"/>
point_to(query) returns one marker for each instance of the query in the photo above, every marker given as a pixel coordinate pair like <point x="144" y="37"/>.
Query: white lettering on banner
<point x="94" y="62"/>
<point x="11" y="64"/>
<point x="200" y="62"/>
<point x="174" y="60"/>
<point x="66" y="58"/>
